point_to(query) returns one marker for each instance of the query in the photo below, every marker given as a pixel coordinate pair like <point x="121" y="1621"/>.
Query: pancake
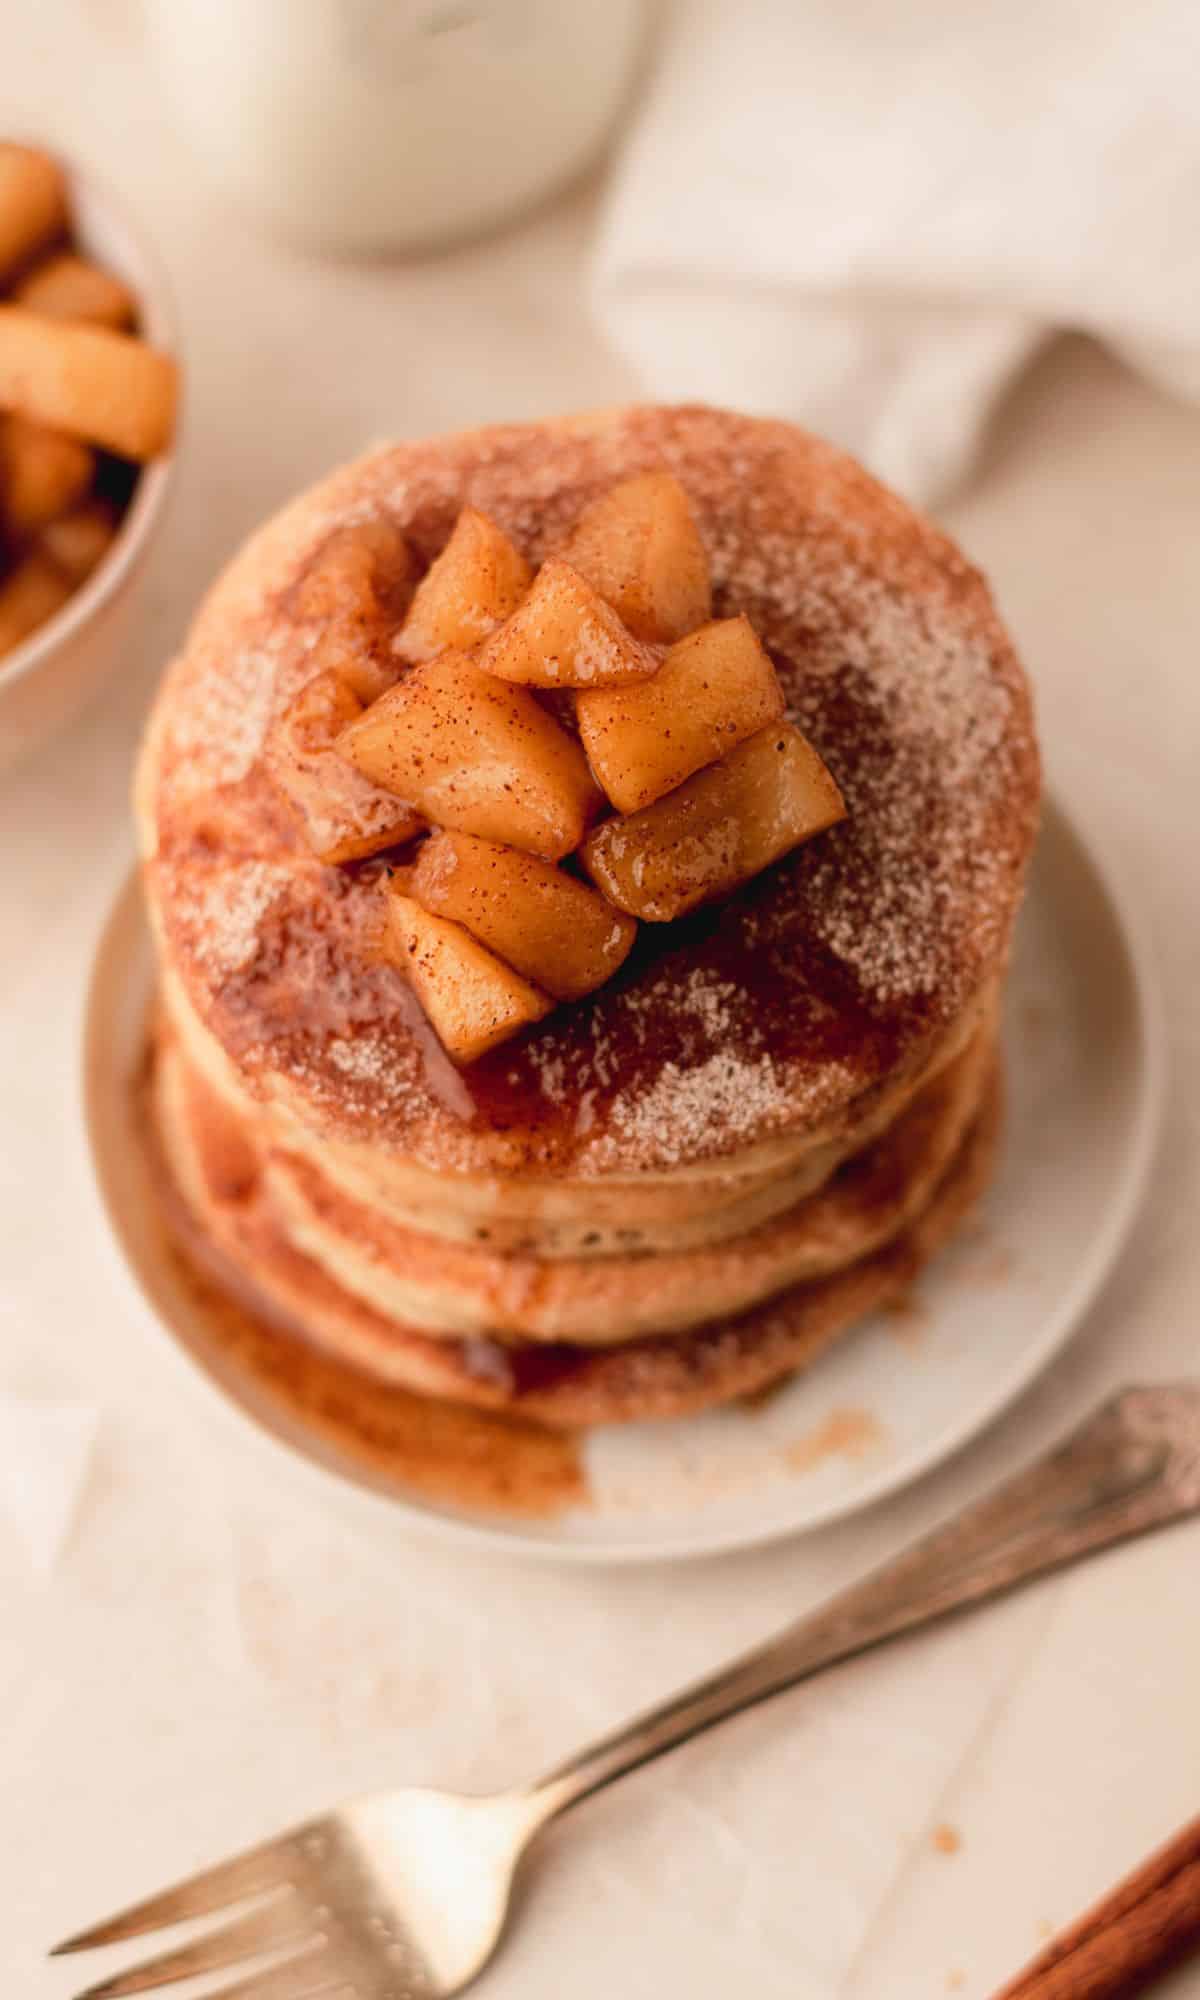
<point x="591" y="1301"/>
<point x="675" y="1190"/>
<point x="694" y="1208"/>
<point x="760" y="1023"/>
<point x="232" y="1221"/>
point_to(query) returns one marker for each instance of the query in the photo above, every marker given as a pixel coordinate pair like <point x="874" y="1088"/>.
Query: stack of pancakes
<point x="675" y="1191"/>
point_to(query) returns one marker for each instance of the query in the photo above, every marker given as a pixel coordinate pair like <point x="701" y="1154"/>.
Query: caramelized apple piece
<point x="475" y="753"/>
<point x="552" y="928"/>
<point x="639" y="546"/>
<point x="713" y="690"/>
<point x="79" y="541"/>
<point x="66" y="286"/>
<point x="564" y="635"/>
<point x="344" y="816"/>
<point x="357" y="588"/>
<point x="365" y="567"/>
<point x="475" y="584"/>
<point x="723" y="826"/>
<point x="42" y="473"/>
<point x="472" y="999"/>
<point x="34" y="199"/>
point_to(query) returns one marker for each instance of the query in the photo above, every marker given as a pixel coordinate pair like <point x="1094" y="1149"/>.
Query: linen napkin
<point x="869" y="217"/>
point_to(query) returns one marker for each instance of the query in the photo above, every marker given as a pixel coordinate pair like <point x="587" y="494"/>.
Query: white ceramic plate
<point x="1084" y="1063"/>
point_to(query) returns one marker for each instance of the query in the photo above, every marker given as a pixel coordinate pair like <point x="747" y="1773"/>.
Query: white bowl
<point x="50" y="676"/>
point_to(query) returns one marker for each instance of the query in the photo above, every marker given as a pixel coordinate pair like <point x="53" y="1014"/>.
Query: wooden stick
<point x="1147" y="1924"/>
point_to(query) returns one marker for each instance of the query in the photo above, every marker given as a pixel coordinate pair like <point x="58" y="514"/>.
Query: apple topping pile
<point x="589" y="721"/>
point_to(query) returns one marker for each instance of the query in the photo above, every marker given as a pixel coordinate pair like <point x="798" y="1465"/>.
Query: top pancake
<point x="764" y="1018"/>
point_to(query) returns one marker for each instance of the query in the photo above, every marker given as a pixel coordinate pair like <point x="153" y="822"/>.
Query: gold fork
<point x="402" y="1896"/>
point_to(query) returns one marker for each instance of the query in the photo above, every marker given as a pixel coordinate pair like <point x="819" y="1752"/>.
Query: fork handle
<point x="1134" y="1465"/>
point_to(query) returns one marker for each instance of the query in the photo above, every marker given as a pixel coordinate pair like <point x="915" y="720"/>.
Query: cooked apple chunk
<point x="473" y="1000"/>
<point x="42" y="473"/>
<point x="343" y="815"/>
<point x="563" y="635"/>
<point x="363" y="567"/>
<point x="356" y="589"/>
<point x="79" y="541"/>
<point x="714" y="689"/>
<point x="474" y="585"/>
<point x="723" y="826"/>
<point x="639" y="546"/>
<point x="547" y="925"/>
<point x="474" y="753"/>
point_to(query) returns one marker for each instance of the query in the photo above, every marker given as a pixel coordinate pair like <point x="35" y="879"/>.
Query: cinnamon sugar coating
<point x="767" y="1016"/>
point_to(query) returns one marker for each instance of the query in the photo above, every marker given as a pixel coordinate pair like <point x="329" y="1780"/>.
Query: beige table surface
<point x="202" y="1660"/>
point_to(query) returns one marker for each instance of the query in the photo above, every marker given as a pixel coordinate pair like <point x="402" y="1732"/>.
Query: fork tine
<point x="299" y="1978"/>
<point x="249" y="1874"/>
<point x="281" y="1921"/>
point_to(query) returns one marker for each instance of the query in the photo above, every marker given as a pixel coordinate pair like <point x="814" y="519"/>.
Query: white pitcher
<point x="373" y="125"/>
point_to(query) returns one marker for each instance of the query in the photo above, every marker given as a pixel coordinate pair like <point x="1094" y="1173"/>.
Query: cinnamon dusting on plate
<point x="848" y="1433"/>
<point x="906" y="1319"/>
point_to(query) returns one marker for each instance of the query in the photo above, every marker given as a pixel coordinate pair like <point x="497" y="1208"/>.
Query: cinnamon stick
<point x="1147" y="1924"/>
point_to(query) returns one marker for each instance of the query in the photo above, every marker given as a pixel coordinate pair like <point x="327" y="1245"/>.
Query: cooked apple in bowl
<point x="85" y="400"/>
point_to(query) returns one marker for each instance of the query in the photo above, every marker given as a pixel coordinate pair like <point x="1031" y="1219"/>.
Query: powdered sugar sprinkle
<point x="225" y="911"/>
<point x="729" y="1098"/>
